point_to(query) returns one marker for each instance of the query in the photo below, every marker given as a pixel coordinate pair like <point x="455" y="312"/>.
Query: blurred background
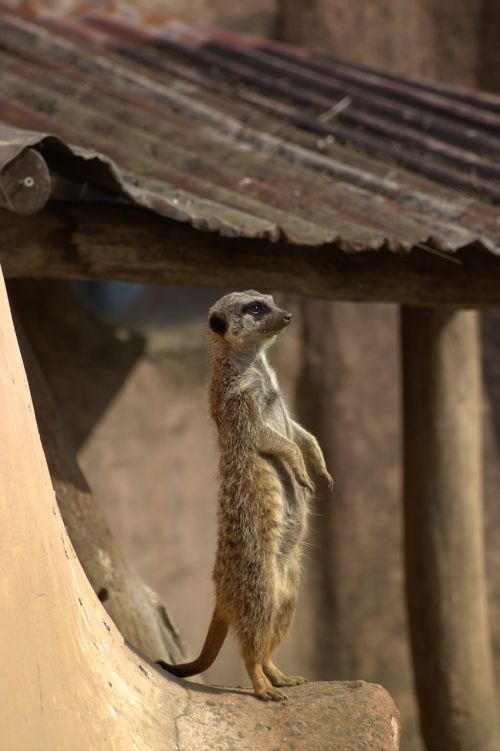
<point x="128" y="366"/>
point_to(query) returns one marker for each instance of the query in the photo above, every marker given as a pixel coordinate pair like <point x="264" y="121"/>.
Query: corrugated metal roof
<point x="249" y="138"/>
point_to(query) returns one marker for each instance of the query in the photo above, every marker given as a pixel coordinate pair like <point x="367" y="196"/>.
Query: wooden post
<point x="444" y="530"/>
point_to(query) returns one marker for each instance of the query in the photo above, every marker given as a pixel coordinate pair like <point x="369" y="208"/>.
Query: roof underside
<point x="250" y="138"/>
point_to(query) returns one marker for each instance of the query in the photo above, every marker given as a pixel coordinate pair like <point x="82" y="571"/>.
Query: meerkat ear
<point x="217" y="324"/>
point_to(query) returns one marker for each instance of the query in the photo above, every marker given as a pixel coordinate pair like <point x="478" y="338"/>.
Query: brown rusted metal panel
<point x="247" y="138"/>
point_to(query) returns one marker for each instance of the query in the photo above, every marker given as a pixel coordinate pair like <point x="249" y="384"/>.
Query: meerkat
<point x="264" y="492"/>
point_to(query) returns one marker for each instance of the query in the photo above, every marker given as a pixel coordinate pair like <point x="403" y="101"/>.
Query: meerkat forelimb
<point x="311" y="451"/>
<point x="264" y="492"/>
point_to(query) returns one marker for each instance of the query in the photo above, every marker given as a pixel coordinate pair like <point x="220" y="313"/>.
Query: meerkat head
<point x="246" y="320"/>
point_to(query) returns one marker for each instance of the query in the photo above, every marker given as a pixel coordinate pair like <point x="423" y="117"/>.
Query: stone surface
<point x="318" y="717"/>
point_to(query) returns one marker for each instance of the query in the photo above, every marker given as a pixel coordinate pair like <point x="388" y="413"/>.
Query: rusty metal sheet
<point x="91" y="166"/>
<point x="244" y="137"/>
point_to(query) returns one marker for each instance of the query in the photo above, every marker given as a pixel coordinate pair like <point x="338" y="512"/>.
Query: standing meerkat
<point x="264" y="492"/>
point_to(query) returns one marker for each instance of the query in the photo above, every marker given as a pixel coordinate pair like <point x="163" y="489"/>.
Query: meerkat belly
<point x="250" y="530"/>
<point x="293" y="507"/>
<point x="293" y="510"/>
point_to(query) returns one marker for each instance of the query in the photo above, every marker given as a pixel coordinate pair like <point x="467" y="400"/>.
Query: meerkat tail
<point x="217" y="632"/>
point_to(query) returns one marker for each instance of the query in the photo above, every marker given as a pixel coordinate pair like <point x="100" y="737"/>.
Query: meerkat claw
<point x="293" y="680"/>
<point x="290" y="680"/>
<point x="306" y="483"/>
<point x="328" y="479"/>
<point x="272" y="694"/>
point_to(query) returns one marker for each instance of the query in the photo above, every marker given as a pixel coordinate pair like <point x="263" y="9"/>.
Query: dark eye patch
<point x="257" y="309"/>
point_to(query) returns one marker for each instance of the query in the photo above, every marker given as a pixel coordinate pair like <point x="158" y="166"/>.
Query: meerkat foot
<point x="271" y="694"/>
<point x="292" y="680"/>
<point x="278" y="678"/>
<point x="261" y="685"/>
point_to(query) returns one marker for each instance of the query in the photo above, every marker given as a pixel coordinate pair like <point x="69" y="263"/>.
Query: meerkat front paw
<point x="305" y="481"/>
<point x="326" y="476"/>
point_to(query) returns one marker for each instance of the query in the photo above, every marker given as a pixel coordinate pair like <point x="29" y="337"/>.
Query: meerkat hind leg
<point x="281" y="625"/>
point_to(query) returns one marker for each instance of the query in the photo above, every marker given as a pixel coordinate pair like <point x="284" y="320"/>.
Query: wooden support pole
<point x="444" y="530"/>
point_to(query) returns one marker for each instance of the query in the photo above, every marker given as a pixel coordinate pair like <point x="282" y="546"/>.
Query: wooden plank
<point x="105" y="241"/>
<point x="444" y="545"/>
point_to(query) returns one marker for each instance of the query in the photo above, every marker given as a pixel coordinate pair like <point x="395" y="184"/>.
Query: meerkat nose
<point x="287" y="317"/>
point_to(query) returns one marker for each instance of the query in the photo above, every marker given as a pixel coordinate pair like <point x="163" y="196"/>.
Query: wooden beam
<point x="444" y="530"/>
<point x="105" y="241"/>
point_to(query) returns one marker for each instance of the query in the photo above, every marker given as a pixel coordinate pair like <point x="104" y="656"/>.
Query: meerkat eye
<point x="256" y="308"/>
